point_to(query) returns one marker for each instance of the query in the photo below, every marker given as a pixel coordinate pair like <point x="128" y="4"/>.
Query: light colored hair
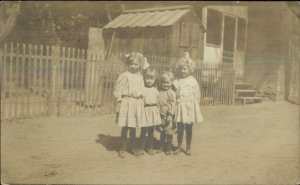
<point x="150" y="71"/>
<point x="137" y="57"/>
<point x="186" y="61"/>
<point x="134" y="57"/>
<point x="166" y="75"/>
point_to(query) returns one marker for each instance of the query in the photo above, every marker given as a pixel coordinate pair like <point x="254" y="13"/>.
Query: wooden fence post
<point x="53" y="84"/>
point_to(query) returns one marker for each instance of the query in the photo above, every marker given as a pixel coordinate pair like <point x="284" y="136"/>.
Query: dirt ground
<point x="252" y="144"/>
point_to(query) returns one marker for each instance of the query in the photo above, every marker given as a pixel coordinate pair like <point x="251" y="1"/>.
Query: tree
<point x="57" y="23"/>
<point x="9" y="13"/>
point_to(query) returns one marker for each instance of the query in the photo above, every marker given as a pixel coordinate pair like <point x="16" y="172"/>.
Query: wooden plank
<point x="108" y="86"/>
<point x="104" y="83"/>
<point x="245" y="91"/>
<point x="4" y="82"/>
<point x="48" y="70"/>
<point x="22" y="84"/>
<point x="61" y="80"/>
<point x="77" y="80"/>
<point x="93" y="85"/>
<point x="83" y="82"/>
<point x="111" y="85"/>
<point x="72" y="61"/>
<point x="215" y="76"/>
<point x="89" y="80"/>
<point x="40" y="81"/>
<point x="63" y="69"/>
<point x="227" y="90"/>
<point x="11" y="82"/>
<point x="17" y="90"/>
<point x="98" y="84"/>
<point x="35" y="101"/>
<point x="250" y="98"/>
<point x="210" y="83"/>
<point x="101" y="83"/>
<point x="232" y="86"/>
<point x="29" y="81"/>
<point x="67" y="96"/>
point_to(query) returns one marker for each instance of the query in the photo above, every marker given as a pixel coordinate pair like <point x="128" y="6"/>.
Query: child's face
<point x="184" y="71"/>
<point x="134" y="67"/>
<point x="149" y="81"/>
<point x="165" y="84"/>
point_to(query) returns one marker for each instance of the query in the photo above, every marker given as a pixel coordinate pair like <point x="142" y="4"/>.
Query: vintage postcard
<point x="150" y="92"/>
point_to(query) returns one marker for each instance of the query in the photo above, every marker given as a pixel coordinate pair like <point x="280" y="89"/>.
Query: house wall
<point x="214" y="54"/>
<point x="270" y="29"/>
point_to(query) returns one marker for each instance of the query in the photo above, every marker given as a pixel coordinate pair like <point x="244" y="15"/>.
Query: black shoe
<point x="122" y="154"/>
<point x="141" y="152"/>
<point x="168" y="152"/>
<point x="160" y="150"/>
<point x="188" y="152"/>
<point x="178" y="151"/>
<point x="150" y="151"/>
<point x="135" y="153"/>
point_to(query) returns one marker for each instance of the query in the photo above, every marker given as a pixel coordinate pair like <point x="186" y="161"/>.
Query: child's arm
<point x="120" y="87"/>
<point x="172" y="103"/>
<point x="174" y="86"/>
<point x="196" y="90"/>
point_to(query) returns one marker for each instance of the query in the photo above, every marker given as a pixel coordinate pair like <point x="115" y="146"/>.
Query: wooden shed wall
<point x="152" y="41"/>
<point x="156" y="40"/>
<point x="177" y="50"/>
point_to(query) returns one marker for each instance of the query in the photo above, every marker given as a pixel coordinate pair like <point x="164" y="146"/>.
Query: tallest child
<point x="129" y="95"/>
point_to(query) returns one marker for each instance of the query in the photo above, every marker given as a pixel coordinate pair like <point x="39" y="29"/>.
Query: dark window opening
<point x="214" y="27"/>
<point x="229" y="34"/>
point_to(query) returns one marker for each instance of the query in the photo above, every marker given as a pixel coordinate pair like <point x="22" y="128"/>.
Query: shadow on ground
<point x="113" y="144"/>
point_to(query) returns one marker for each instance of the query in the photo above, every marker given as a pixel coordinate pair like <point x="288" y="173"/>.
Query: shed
<point x="167" y="31"/>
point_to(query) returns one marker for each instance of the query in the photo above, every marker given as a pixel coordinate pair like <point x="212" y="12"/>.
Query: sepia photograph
<point x="150" y="92"/>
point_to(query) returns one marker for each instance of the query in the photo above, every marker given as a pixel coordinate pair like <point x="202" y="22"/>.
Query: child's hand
<point x="170" y="119"/>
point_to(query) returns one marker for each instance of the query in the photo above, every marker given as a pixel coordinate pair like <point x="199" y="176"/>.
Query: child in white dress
<point x="188" y="99"/>
<point x="151" y="109"/>
<point x="128" y="92"/>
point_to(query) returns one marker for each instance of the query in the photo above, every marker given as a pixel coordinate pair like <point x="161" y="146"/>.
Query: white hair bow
<point x="146" y="64"/>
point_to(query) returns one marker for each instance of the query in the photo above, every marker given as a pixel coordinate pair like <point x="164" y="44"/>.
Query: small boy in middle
<point x="167" y="108"/>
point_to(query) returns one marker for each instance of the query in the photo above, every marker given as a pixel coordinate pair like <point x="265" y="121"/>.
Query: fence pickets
<point x="50" y="80"/>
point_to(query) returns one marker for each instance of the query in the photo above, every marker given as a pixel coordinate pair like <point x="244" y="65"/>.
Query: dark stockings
<point x="132" y="136"/>
<point x="147" y="131"/>
<point x="188" y="132"/>
<point x="166" y="139"/>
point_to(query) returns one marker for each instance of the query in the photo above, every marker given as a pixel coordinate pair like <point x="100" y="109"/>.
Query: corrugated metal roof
<point x="149" y="17"/>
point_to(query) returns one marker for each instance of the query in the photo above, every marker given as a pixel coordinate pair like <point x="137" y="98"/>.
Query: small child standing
<point x="151" y="110"/>
<point x="128" y="92"/>
<point x="188" y="99"/>
<point x="167" y="107"/>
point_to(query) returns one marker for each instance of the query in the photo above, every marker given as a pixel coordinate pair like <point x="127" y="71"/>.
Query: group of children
<point x="156" y="102"/>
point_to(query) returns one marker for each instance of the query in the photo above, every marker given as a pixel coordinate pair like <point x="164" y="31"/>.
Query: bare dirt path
<point x="253" y="144"/>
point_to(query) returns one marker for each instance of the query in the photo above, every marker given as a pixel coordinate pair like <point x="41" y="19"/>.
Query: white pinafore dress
<point x="188" y="100"/>
<point x="151" y="107"/>
<point x="129" y="87"/>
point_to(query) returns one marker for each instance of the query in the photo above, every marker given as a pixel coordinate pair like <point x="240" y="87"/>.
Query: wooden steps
<point x="246" y="93"/>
